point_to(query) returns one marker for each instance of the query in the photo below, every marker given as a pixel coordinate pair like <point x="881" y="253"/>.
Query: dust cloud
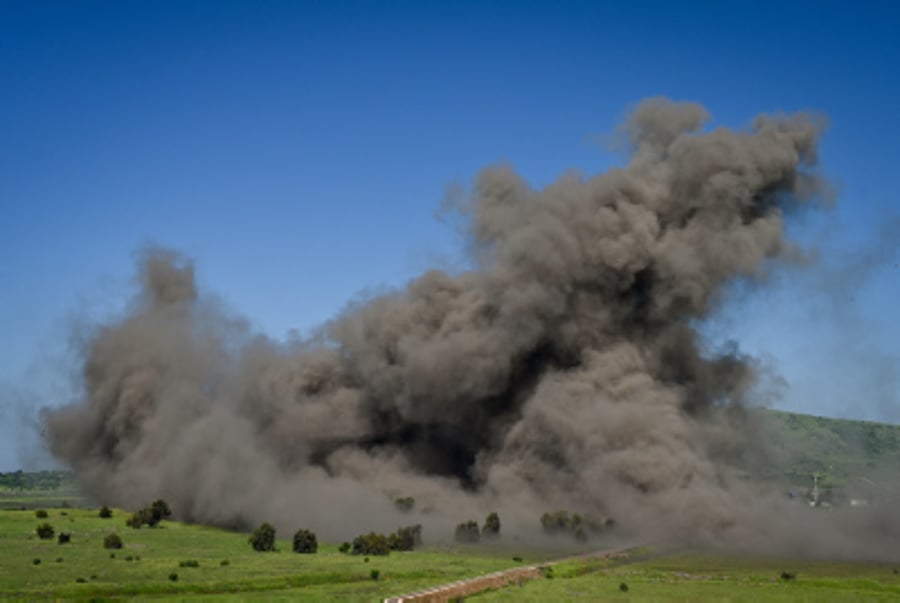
<point x="564" y="370"/>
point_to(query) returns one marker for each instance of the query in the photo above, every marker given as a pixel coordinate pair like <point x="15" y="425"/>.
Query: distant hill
<point x="851" y="458"/>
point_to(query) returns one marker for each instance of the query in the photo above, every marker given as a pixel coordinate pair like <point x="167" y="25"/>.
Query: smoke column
<point x="564" y="369"/>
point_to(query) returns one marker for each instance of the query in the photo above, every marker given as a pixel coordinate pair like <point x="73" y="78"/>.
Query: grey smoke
<point x="563" y="370"/>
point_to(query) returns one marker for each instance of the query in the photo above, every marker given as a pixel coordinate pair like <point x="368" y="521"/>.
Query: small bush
<point x="105" y="512"/>
<point x="344" y="548"/>
<point x="517" y="559"/>
<point x="59" y="559"/>
<point x="788" y="576"/>
<point x="189" y="563"/>
<point x="491" y="528"/>
<point x="371" y="544"/>
<point x="112" y="555"/>
<point x="305" y="542"/>
<point x="112" y="541"/>
<point x="560" y="522"/>
<point x="173" y="577"/>
<point x="129" y="558"/>
<point x="468" y="531"/>
<point x="36" y="561"/>
<point x="223" y="562"/>
<point x="45" y="531"/>
<point x="159" y="510"/>
<point x="405" y="504"/>
<point x="623" y="587"/>
<point x="40" y="514"/>
<point x="63" y="538"/>
<point x="374" y="574"/>
<point x="149" y="516"/>
<point x="406" y="538"/>
<point x="548" y="572"/>
<point x="263" y="538"/>
<point x="80" y="580"/>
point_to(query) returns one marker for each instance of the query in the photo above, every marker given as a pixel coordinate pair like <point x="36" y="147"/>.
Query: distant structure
<point x="814" y="493"/>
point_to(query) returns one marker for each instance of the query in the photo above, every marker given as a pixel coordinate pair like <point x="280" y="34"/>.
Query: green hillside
<point x="851" y="458"/>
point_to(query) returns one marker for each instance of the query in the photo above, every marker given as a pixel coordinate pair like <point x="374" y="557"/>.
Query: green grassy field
<point x="227" y="564"/>
<point x="695" y="577"/>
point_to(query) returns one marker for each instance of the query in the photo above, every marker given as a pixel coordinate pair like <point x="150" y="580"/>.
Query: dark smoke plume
<point x="564" y="370"/>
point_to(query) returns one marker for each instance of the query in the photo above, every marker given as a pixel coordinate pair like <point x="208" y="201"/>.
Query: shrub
<point x="189" y="563"/>
<point x="517" y="559"/>
<point x="305" y="542"/>
<point x="371" y="544"/>
<point x="112" y="541"/>
<point x="374" y="574"/>
<point x="263" y="538"/>
<point x="623" y="587"/>
<point x="788" y="576"/>
<point x="224" y="562"/>
<point x="491" y="527"/>
<point x="405" y="538"/>
<point x="105" y="512"/>
<point x="63" y="538"/>
<point x="405" y="504"/>
<point x="59" y="559"/>
<point x="45" y="531"/>
<point x="139" y="518"/>
<point x="560" y="522"/>
<point x="40" y="514"/>
<point x="80" y="580"/>
<point x="150" y="516"/>
<point x="173" y="577"/>
<point x="555" y="522"/>
<point x="159" y="510"/>
<point x="36" y="561"/>
<point x="344" y="548"/>
<point x="467" y="531"/>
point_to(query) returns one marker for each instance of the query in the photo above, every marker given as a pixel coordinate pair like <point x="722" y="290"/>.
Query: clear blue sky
<point x="298" y="151"/>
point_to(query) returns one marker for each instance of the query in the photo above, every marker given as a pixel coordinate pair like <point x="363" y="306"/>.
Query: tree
<point x="159" y="510"/>
<point x="305" y="542"/>
<point x="371" y="544"/>
<point x="491" y="527"/>
<point x="112" y="541"/>
<point x="467" y="531"/>
<point x="45" y="531"/>
<point x="405" y="538"/>
<point x="263" y="538"/>
<point x="63" y="538"/>
<point x="149" y="516"/>
<point x="405" y="504"/>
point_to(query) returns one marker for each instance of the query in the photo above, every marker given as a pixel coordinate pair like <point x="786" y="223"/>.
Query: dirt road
<point x="516" y="575"/>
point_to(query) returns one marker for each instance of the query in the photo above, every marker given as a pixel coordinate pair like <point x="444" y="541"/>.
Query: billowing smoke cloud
<point x="564" y="369"/>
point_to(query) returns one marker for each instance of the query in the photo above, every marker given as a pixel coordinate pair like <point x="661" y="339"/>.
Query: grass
<point x="696" y="577"/>
<point x="209" y="562"/>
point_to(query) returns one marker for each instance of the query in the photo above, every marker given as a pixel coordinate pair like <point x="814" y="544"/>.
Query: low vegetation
<point x="263" y="538"/>
<point x="225" y="564"/>
<point x="305" y="542"/>
<point x="468" y="531"/>
<point x="149" y="516"/>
